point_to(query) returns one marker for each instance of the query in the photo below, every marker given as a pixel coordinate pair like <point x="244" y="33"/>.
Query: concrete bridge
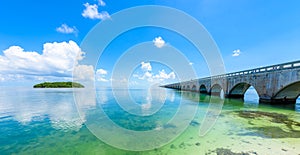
<point x="274" y="84"/>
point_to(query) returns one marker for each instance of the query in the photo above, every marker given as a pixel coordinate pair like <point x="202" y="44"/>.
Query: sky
<point x="41" y="40"/>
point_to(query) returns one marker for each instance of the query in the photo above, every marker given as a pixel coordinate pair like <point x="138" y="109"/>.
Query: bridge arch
<point x="188" y="87"/>
<point x="183" y="87"/>
<point x="239" y="90"/>
<point x="216" y="90"/>
<point x="202" y="89"/>
<point x="244" y="91"/>
<point x="194" y="88"/>
<point x="289" y="93"/>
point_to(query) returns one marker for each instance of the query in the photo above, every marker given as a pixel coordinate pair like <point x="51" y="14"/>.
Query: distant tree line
<point x="58" y="85"/>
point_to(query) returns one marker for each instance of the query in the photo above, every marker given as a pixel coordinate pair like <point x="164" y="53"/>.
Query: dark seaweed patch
<point x="275" y="117"/>
<point x="194" y="123"/>
<point x="173" y="146"/>
<point x="166" y="126"/>
<point x="270" y="131"/>
<point x="222" y="151"/>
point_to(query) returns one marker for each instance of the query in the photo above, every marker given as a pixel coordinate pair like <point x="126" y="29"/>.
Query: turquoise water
<point x="46" y="121"/>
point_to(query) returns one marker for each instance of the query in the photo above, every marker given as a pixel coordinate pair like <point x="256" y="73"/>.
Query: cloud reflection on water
<point x="29" y="105"/>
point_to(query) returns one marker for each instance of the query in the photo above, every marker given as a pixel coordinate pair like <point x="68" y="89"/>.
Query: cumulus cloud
<point x="150" y="77"/>
<point x="101" y="72"/>
<point x="84" y="73"/>
<point x="101" y="75"/>
<point x="57" y="59"/>
<point x="190" y="63"/>
<point x="64" y="28"/>
<point x="91" y="11"/>
<point x="162" y="75"/>
<point x="2" y="77"/>
<point x="101" y="3"/>
<point x="159" y="42"/>
<point x="146" y="66"/>
<point x="236" y="53"/>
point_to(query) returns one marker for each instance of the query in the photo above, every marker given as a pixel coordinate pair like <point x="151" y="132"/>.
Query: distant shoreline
<point x="58" y="85"/>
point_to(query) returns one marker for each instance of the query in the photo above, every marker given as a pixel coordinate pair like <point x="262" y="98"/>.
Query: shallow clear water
<point x="47" y="121"/>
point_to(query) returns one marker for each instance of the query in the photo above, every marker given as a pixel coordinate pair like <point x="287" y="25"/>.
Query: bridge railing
<point x="289" y="65"/>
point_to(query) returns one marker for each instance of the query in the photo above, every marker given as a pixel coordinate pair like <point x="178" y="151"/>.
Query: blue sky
<point x="39" y="39"/>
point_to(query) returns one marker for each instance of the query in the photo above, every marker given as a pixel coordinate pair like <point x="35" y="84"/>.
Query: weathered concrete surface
<point x="274" y="84"/>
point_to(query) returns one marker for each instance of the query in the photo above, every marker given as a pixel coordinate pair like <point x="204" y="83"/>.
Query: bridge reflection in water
<point x="249" y="102"/>
<point x="274" y="84"/>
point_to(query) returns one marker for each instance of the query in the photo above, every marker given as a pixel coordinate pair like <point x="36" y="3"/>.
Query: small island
<point x="58" y="85"/>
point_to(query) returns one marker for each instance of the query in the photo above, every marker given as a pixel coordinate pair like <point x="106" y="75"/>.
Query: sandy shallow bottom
<point x="228" y="137"/>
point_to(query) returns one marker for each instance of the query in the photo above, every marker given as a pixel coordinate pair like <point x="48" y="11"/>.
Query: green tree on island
<point x="58" y="85"/>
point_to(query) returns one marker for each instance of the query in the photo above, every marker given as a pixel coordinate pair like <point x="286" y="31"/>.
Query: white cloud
<point x="91" y="11"/>
<point x="101" y="3"/>
<point x="101" y="79"/>
<point x="146" y="66"/>
<point x="10" y="77"/>
<point x="163" y="75"/>
<point x="101" y="75"/>
<point x="2" y="77"/>
<point x="191" y="63"/>
<point x="84" y="73"/>
<point x="57" y="59"/>
<point x="101" y="72"/>
<point x="64" y="28"/>
<point x="147" y="75"/>
<point x="159" y="42"/>
<point x="236" y="53"/>
<point x="150" y="77"/>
